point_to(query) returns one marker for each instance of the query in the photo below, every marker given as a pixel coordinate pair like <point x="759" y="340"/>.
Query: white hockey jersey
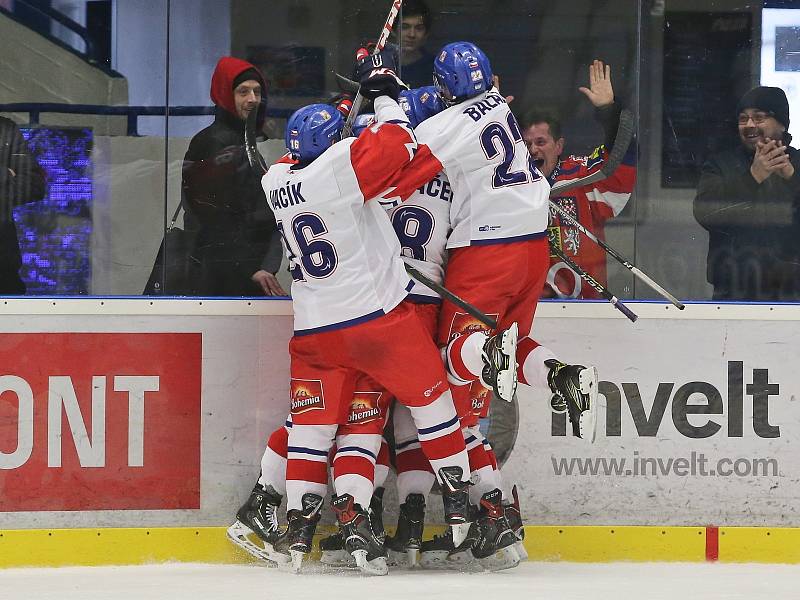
<point x="343" y="252"/>
<point x="422" y="224"/>
<point x="498" y="194"/>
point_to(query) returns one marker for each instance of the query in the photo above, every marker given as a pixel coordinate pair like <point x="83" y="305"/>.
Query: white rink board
<point x="245" y="386"/>
<point x="693" y="346"/>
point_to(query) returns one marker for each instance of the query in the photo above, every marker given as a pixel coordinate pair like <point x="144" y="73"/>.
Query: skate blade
<point x="376" y="566"/>
<point x="239" y="533"/>
<point x="408" y="559"/>
<point x="507" y="378"/>
<point x="460" y="531"/>
<point x="521" y="551"/>
<point x="337" y="558"/>
<point x="294" y="563"/>
<point x="587" y="422"/>
<point x="412" y="555"/>
<point x="505" y="558"/>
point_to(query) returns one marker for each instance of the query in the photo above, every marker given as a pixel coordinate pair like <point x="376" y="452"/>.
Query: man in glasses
<point x="748" y="199"/>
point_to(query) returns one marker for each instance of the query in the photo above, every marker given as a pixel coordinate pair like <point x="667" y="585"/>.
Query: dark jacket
<point x="224" y="202"/>
<point x="26" y="184"/>
<point x="754" y="229"/>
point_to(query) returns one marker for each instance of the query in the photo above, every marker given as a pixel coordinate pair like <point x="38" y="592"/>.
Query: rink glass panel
<point x="679" y="65"/>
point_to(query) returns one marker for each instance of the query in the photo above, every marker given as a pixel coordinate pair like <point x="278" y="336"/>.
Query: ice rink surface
<point x="530" y="581"/>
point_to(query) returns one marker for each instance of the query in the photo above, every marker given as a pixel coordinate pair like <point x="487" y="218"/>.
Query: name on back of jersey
<point x="437" y="188"/>
<point x="477" y="110"/>
<point x="286" y="196"/>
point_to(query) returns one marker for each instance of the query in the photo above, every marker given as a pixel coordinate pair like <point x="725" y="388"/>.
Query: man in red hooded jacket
<point x="237" y="250"/>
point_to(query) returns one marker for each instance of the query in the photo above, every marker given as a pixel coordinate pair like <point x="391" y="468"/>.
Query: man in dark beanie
<point x="748" y="199"/>
<point x="237" y="249"/>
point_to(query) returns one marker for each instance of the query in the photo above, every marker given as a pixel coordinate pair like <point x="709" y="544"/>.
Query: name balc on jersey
<point x="498" y="194"/>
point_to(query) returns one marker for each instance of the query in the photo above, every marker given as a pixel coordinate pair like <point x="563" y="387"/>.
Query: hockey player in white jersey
<point x="349" y="287"/>
<point x="498" y="247"/>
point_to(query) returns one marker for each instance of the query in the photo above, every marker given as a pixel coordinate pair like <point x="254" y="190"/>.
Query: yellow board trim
<point x="615" y="543"/>
<point x="123" y="546"/>
<point x="146" y="545"/>
<point x="759" y="544"/>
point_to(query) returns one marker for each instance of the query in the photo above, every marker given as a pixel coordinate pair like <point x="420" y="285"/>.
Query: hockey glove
<point x="377" y="76"/>
<point x="343" y="103"/>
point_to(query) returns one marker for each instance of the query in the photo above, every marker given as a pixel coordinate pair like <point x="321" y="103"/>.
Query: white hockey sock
<point x="464" y="357"/>
<point x="533" y="366"/>
<point x="414" y="482"/>
<point x="484" y="480"/>
<point x="273" y="471"/>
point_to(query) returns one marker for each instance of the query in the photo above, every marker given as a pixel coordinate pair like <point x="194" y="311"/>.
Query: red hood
<point x="227" y="69"/>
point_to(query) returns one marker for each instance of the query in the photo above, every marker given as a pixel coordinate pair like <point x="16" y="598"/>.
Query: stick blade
<point x="254" y="157"/>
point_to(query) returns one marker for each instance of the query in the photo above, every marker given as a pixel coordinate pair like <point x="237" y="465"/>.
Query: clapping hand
<point x="771" y="157"/>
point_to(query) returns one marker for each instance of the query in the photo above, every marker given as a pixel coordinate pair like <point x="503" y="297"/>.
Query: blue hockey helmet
<point x="461" y="71"/>
<point x="313" y="129"/>
<point x="420" y="103"/>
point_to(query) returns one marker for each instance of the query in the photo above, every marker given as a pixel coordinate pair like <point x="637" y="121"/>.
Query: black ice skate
<point x="514" y="518"/>
<point x="500" y="363"/>
<point x="359" y="538"/>
<point x="257" y="517"/>
<point x="455" y="497"/>
<point x="294" y="543"/>
<point x="376" y="514"/>
<point x="332" y="547"/>
<point x="441" y="553"/>
<point x="334" y="553"/>
<point x="576" y="385"/>
<point x="405" y="545"/>
<point x="495" y="544"/>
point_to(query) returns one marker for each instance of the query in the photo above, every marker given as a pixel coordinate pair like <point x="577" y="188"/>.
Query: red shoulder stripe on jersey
<point x="286" y="159"/>
<point x="378" y="154"/>
<point x="422" y="168"/>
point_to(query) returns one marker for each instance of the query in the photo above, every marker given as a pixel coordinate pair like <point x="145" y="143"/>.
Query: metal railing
<point x="35" y="109"/>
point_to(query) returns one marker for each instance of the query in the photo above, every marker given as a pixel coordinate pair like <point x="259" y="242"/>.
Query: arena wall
<point x="131" y="430"/>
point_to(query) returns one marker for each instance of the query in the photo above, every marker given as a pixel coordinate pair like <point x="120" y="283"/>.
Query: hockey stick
<point x="618" y="257"/>
<point x="595" y="284"/>
<point x="445" y="293"/>
<point x="625" y="130"/>
<point x="387" y="29"/>
<point x="254" y="157"/>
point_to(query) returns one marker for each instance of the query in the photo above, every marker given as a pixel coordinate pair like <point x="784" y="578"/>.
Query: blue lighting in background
<point x="55" y="233"/>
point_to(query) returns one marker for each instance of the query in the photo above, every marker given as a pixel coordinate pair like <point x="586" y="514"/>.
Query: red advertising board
<point x="99" y="421"/>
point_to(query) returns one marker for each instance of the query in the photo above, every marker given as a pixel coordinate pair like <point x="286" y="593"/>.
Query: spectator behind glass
<point x="416" y="64"/>
<point x="593" y="204"/>
<point x="237" y="249"/>
<point x="22" y="180"/>
<point x="748" y="199"/>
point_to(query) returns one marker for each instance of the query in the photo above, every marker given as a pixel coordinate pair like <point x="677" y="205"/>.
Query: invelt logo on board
<point x="710" y="412"/>
<point x="307" y="395"/>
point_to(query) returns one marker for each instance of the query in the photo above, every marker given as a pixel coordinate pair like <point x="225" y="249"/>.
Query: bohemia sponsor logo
<point x="307" y="395"/>
<point x="364" y="408"/>
<point x="479" y="396"/>
<point x="464" y="324"/>
<point x="708" y="409"/>
<point x="100" y="421"/>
